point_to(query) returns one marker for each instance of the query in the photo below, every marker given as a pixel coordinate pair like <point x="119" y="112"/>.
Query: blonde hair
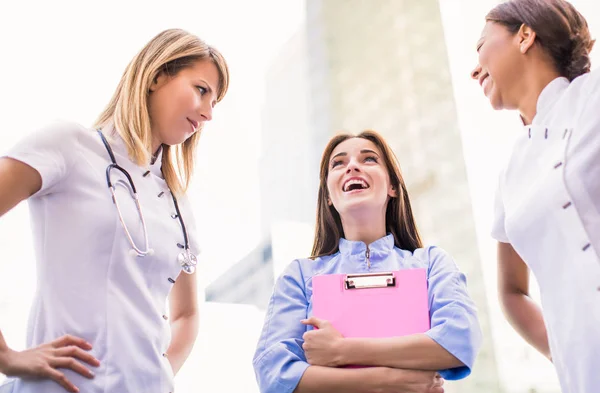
<point x="168" y="52"/>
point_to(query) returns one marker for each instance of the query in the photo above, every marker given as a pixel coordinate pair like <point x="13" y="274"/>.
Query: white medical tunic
<point x="88" y="283"/>
<point x="548" y="209"/>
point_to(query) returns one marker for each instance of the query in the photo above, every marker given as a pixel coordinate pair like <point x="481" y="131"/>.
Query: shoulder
<point x="63" y="131"/>
<point x="586" y="82"/>
<point x="61" y="137"/>
<point x="584" y="88"/>
<point x="304" y="269"/>
<point x="58" y="142"/>
<point x="427" y="253"/>
<point x="435" y="258"/>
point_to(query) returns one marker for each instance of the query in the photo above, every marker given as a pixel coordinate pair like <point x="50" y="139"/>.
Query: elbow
<point x="453" y="362"/>
<point x="267" y="378"/>
<point x="277" y="371"/>
<point x="191" y="322"/>
<point x="191" y="315"/>
<point x="510" y="299"/>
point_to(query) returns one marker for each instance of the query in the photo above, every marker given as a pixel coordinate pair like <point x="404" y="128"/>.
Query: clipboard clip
<point x="370" y="280"/>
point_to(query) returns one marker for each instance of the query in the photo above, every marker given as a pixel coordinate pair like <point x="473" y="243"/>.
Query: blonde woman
<point x="113" y="230"/>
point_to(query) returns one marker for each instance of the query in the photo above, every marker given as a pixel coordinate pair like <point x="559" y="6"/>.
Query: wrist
<point x="381" y="379"/>
<point x="4" y="355"/>
<point x="344" y="352"/>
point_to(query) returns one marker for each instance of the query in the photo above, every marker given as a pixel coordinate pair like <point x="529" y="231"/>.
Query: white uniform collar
<point x="118" y="145"/>
<point x="548" y="97"/>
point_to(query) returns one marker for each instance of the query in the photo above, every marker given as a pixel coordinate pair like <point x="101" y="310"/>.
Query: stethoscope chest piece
<point x="188" y="261"/>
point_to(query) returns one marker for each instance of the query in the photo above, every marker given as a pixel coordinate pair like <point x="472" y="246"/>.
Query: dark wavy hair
<point x="560" y="30"/>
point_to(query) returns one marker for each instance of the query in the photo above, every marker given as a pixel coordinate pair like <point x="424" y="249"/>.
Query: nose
<point x="352" y="166"/>
<point x="206" y="111"/>
<point x="476" y="72"/>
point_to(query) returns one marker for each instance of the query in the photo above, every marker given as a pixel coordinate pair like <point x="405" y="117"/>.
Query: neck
<point x="365" y="227"/>
<point x="156" y="147"/>
<point x="530" y="89"/>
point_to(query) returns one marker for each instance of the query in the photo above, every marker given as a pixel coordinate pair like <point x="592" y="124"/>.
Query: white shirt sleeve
<point x="51" y="152"/>
<point x="498" y="229"/>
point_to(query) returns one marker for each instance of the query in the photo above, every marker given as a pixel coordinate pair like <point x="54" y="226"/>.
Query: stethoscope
<point x="186" y="258"/>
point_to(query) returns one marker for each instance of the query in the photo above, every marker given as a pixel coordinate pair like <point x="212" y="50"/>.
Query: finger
<point x="70" y="363"/>
<point x="61" y="379"/>
<point x="438" y="382"/>
<point x="314" y="321"/>
<point x="68" y="339"/>
<point x="78" y="353"/>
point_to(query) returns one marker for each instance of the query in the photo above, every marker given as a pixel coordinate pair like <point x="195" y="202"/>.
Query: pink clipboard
<point x="373" y="305"/>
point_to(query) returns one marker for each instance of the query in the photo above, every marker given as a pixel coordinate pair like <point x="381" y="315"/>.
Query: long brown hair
<point x="399" y="220"/>
<point x="168" y="52"/>
<point x="560" y="30"/>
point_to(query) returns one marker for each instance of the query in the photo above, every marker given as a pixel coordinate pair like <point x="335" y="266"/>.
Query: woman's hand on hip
<point x="46" y="360"/>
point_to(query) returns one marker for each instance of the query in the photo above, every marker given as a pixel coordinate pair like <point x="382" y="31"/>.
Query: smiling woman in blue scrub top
<point x="363" y="206"/>
<point x="108" y="258"/>
<point x="534" y="56"/>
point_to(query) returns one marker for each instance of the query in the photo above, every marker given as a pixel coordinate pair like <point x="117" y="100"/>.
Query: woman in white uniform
<point x="534" y="58"/>
<point x="113" y="230"/>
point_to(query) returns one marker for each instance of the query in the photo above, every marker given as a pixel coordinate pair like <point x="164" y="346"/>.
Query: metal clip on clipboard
<point x="370" y="280"/>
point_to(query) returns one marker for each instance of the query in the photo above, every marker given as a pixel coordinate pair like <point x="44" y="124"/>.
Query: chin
<point x="352" y="207"/>
<point x="496" y="103"/>
<point x="496" y="100"/>
<point x="177" y="140"/>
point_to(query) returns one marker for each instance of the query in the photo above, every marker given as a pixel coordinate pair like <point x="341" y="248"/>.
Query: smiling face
<point x="180" y="104"/>
<point x="360" y="182"/>
<point x="500" y="66"/>
<point x="358" y="178"/>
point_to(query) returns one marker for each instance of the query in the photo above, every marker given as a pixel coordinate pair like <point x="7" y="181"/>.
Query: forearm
<point x="526" y="318"/>
<point x="3" y="351"/>
<point x="415" y="352"/>
<point x="183" y="335"/>
<point x="317" y="379"/>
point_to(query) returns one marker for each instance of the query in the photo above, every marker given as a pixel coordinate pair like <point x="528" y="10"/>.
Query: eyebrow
<point x="210" y="89"/>
<point x="363" y="151"/>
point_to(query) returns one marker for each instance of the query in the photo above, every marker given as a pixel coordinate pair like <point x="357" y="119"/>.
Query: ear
<point x="526" y="38"/>
<point x="159" y="80"/>
<point x="392" y="191"/>
<point x="329" y="202"/>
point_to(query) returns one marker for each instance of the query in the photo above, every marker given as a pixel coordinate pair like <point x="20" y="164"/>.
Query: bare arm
<point x="415" y="352"/>
<point x="183" y="302"/>
<point x="521" y="311"/>
<point x="18" y="181"/>
<point x="325" y="346"/>
<point x="317" y="379"/>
